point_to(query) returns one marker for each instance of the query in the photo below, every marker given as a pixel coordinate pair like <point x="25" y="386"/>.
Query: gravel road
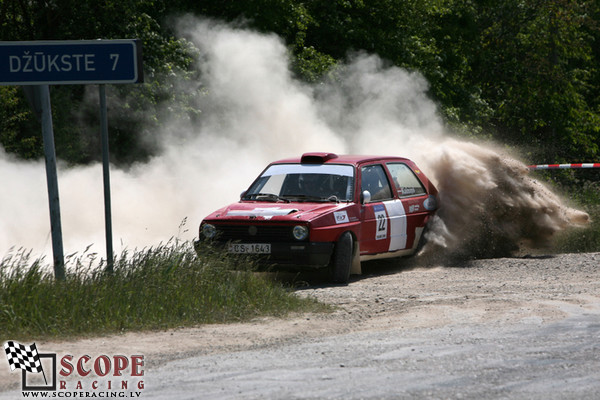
<point x="510" y="328"/>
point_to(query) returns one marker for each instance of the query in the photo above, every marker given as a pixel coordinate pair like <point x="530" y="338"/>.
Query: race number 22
<point x="381" y="222"/>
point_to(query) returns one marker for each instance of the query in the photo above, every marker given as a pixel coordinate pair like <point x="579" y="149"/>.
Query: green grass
<point x="581" y="240"/>
<point x="156" y="288"/>
<point x="585" y="196"/>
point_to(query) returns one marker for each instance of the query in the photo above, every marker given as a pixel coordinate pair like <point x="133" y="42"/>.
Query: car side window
<point x="405" y="180"/>
<point x="376" y="182"/>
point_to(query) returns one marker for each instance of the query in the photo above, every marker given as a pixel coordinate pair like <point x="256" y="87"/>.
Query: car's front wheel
<point x="342" y="258"/>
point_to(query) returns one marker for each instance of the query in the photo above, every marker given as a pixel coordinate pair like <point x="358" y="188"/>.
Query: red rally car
<point x="324" y="210"/>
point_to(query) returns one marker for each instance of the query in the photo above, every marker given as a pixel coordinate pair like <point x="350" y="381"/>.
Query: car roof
<point x="332" y="158"/>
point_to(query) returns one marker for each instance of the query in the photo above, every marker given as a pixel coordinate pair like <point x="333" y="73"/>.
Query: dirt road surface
<point x="511" y="328"/>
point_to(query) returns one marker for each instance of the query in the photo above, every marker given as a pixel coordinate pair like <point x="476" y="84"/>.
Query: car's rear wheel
<point x="342" y="258"/>
<point x="422" y="241"/>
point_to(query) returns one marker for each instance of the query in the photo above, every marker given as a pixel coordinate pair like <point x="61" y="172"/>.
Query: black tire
<point x="422" y="241"/>
<point x="342" y="258"/>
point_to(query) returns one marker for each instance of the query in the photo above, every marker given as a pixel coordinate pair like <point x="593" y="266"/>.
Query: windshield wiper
<point x="266" y="196"/>
<point x="305" y="197"/>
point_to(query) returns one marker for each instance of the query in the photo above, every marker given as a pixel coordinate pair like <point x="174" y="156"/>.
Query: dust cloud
<point x="490" y="206"/>
<point x="253" y="111"/>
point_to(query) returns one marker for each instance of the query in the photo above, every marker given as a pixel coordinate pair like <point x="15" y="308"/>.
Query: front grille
<point x="254" y="233"/>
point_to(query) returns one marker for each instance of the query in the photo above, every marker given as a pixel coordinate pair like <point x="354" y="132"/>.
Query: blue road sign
<point x="70" y="62"/>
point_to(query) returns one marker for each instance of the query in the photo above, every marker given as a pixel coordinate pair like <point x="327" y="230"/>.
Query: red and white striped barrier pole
<point x="564" y="166"/>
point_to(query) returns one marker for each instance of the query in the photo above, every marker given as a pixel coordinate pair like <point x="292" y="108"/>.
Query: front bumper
<point x="309" y="255"/>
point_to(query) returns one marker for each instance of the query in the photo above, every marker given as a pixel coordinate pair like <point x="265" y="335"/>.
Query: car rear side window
<point x="376" y="182"/>
<point x="405" y="180"/>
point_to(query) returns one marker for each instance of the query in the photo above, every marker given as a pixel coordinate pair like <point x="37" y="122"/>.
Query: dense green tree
<point x="524" y="72"/>
<point x="535" y="71"/>
<point x="14" y="115"/>
<point x="76" y="125"/>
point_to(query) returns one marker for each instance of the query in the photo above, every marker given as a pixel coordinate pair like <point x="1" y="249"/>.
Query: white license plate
<point x="250" y="248"/>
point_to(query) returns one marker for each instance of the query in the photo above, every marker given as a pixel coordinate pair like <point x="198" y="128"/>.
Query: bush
<point x="156" y="288"/>
<point x="585" y="195"/>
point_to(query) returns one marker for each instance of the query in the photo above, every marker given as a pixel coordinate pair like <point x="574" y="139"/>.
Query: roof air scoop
<point x="317" y="158"/>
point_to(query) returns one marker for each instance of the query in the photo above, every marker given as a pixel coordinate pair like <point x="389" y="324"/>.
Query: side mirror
<point x="365" y="197"/>
<point x="243" y="194"/>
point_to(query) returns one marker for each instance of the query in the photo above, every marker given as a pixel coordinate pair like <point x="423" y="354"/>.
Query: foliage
<point x="14" y="115"/>
<point x="524" y="73"/>
<point x="76" y="125"/>
<point x="157" y="288"/>
<point x="585" y="196"/>
<point x="537" y="66"/>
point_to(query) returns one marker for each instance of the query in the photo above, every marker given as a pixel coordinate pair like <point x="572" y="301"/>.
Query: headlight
<point x="209" y="231"/>
<point x="300" y="232"/>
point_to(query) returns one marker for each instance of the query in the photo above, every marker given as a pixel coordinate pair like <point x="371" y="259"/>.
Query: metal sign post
<point x="106" y="176"/>
<point x="42" y="92"/>
<point x="43" y="63"/>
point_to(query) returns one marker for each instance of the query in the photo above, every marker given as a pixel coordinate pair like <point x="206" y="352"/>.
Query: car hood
<point x="244" y="211"/>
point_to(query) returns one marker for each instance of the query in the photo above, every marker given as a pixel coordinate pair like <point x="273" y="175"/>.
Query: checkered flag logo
<point x="23" y="357"/>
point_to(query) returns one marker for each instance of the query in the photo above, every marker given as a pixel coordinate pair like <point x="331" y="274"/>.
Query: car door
<point x="384" y="219"/>
<point x="412" y="194"/>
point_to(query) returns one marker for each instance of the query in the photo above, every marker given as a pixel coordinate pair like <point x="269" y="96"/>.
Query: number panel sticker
<point x="381" y="221"/>
<point x="398" y="224"/>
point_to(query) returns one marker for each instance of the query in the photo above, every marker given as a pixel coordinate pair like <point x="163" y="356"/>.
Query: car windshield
<point x="304" y="182"/>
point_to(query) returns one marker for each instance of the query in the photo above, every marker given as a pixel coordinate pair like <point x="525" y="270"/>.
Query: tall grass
<point x="584" y="195"/>
<point x="581" y="240"/>
<point x="156" y="288"/>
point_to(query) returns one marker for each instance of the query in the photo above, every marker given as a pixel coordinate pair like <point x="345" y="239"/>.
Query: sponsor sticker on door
<point x="341" y="217"/>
